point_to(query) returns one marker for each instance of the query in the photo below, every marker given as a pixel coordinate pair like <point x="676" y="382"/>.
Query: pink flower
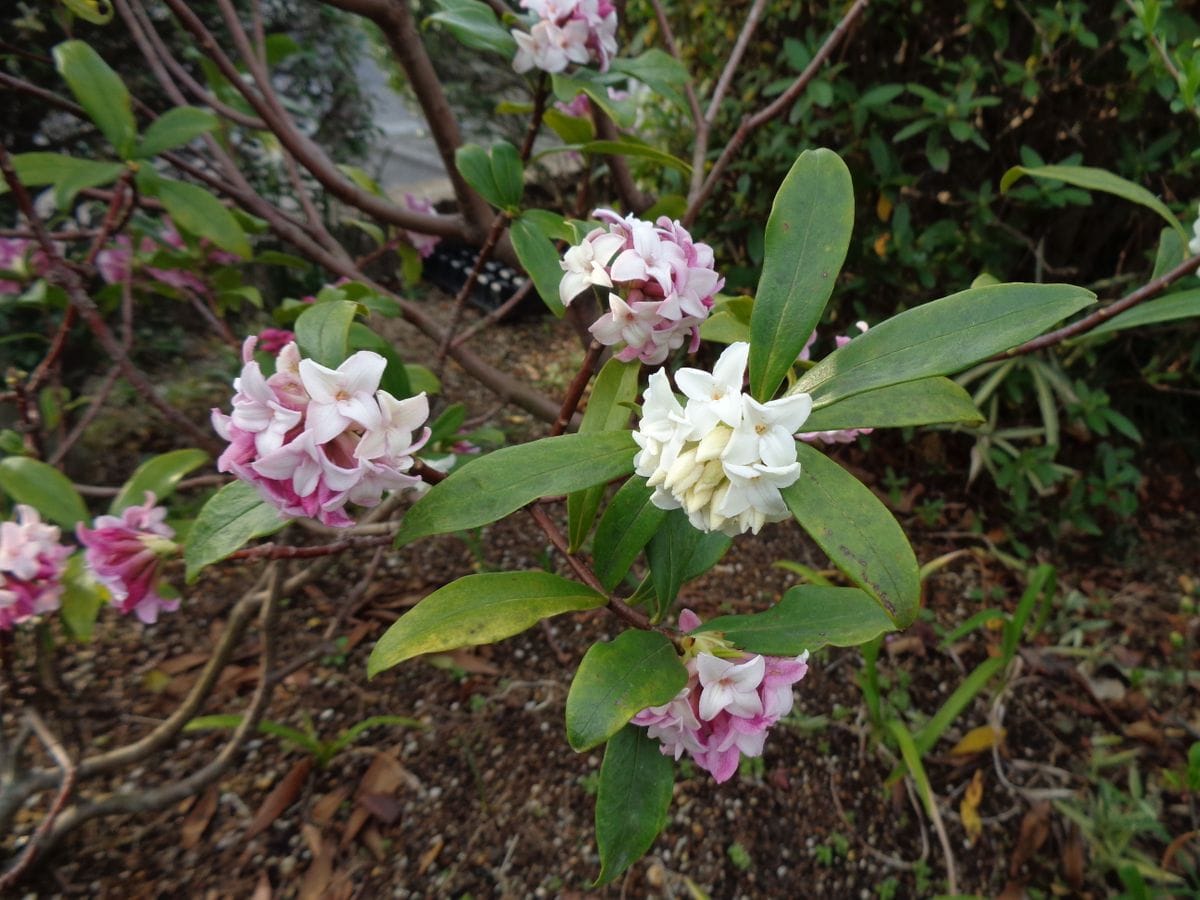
<point x="272" y="340"/>
<point x="567" y="31"/>
<point x="729" y="704"/>
<point x="664" y="284"/>
<point x="312" y="439"/>
<point x="125" y="554"/>
<point x="12" y="259"/>
<point x="424" y="244"/>
<point x="31" y="567"/>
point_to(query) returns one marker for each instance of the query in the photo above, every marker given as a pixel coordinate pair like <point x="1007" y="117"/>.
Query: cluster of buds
<point x="729" y="704"/>
<point x="567" y="31"/>
<point x="722" y="457"/>
<point x="31" y="568"/>
<point x="312" y="439"/>
<point x="667" y="279"/>
<point x="125" y="553"/>
<point x="841" y="435"/>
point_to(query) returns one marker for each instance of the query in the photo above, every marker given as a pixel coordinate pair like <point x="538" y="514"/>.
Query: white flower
<point x="393" y="435"/>
<point x="586" y="264"/>
<point x="766" y="429"/>
<point x="729" y="685"/>
<point x="304" y="464"/>
<point x="1194" y="243"/>
<point x="718" y="395"/>
<point x="343" y="396"/>
<point x="551" y="48"/>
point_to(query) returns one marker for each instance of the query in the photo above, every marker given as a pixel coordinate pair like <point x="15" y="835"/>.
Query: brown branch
<point x="576" y="388"/>
<point x="279" y="551"/>
<point x="698" y="120"/>
<point x="94" y="406"/>
<point x="1100" y="316"/>
<point x="776" y="108"/>
<point x="499" y="224"/>
<point x="495" y="315"/>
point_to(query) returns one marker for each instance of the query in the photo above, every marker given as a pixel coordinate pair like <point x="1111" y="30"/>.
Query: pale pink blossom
<point x="12" y="259"/>
<point x="32" y="562"/>
<point x="842" y="435"/>
<point x="567" y="31"/>
<point x="424" y="244"/>
<point x="728" y="706"/>
<point x="125" y="553"/>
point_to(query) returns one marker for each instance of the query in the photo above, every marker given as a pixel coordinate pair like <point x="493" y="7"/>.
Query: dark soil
<point x="481" y="796"/>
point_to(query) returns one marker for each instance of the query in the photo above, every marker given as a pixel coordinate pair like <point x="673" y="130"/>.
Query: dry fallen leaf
<point x="1035" y="829"/>
<point x="283" y="796"/>
<point x="317" y="878"/>
<point x="263" y="890"/>
<point x="324" y="809"/>
<point x="977" y="740"/>
<point x="1073" y="859"/>
<point x="430" y="855"/>
<point x="198" y="819"/>
<point x="969" y="807"/>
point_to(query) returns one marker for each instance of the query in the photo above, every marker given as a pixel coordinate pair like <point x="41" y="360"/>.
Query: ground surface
<point x="479" y="794"/>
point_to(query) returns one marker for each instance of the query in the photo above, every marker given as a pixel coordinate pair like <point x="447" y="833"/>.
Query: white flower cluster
<point x="567" y="31"/>
<point x="722" y="457"/>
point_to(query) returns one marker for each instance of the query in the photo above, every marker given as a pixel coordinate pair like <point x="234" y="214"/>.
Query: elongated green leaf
<point x="100" y="92"/>
<point x="1172" y="250"/>
<point x="616" y="681"/>
<point x="68" y="174"/>
<point x="490" y="487"/>
<point x="636" y="781"/>
<point x="857" y="532"/>
<point x="508" y="173"/>
<point x="656" y="69"/>
<point x="595" y="85"/>
<point x="175" y="128"/>
<point x="941" y="337"/>
<point x="625" y="147"/>
<point x="497" y="176"/>
<point x="956" y="703"/>
<point x="669" y="554"/>
<point x="625" y="528"/>
<point x="82" y="598"/>
<point x="807" y="236"/>
<point x="614" y="390"/>
<point x="912" y="760"/>
<point x="475" y="25"/>
<point x="540" y="258"/>
<point x="158" y="476"/>
<point x="197" y="212"/>
<point x="927" y="401"/>
<point x="323" y="331"/>
<point x="44" y="488"/>
<point x="1183" y="305"/>
<point x="478" y="609"/>
<point x="98" y="12"/>
<point x="231" y="517"/>
<point x="807" y="618"/>
<point x="1093" y="179"/>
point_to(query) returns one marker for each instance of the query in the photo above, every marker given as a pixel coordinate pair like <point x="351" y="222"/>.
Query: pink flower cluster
<point x="114" y="262"/>
<point x="726" y="708"/>
<point x="567" y="31"/>
<point x="31" y="568"/>
<point x="843" y="435"/>
<point x="15" y="256"/>
<point x="126" y="552"/>
<point x="667" y="279"/>
<point x="312" y="439"/>
<point x="422" y="243"/>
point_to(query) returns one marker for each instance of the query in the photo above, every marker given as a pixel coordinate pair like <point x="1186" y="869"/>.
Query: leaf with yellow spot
<point x="977" y="740"/>
<point x="968" y="809"/>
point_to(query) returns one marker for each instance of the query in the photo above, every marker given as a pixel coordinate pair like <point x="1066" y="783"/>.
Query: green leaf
<point x="421" y="378"/>
<point x="395" y="376"/>
<point x="613" y="392"/>
<point x="82" y="598"/>
<point x="957" y="702"/>
<point x="100" y="92"/>
<point x="158" y="476"/>
<point x="808" y="617"/>
<point x="625" y="528"/>
<point x="927" y="401"/>
<point x="196" y="211"/>
<point x="857" y="533"/>
<point x="941" y="337"/>
<point x="540" y="258"/>
<point x="1183" y="305"/>
<point x="68" y="174"/>
<point x="807" y="236"/>
<point x="1093" y="179"/>
<point x="497" y="176"/>
<point x="475" y="25"/>
<point x="323" y="331"/>
<point x="658" y="70"/>
<point x="623" y="147"/>
<point x="678" y="552"/>
<point x="618" y="680"/>
<point x="595" y="85"/>
<point x="572" y="129"/>
<point x="232" y="516"/>
<point x="478" y="609"/>
<point x="490" y="487"/>
<point x="1172" y="250"/>
<point x="98" y="12"/>
<point x="636" y="782"/>
<point x="44" y="488"/>
<point x="175" y="128"/>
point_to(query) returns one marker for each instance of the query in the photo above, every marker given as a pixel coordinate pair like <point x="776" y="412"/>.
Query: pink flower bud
<point x="125" y="553"/>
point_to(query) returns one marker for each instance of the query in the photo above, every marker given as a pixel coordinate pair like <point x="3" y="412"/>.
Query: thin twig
<point x="499" y="224"/>
<point x="98" y="399"/>
<point x="278" y="551"/>
<point x="495" y="315"/>
<point x="578" y="385"/>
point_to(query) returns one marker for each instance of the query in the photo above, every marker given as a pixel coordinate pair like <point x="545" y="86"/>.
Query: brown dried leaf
<point x="1035" y="829"/>
<point x="383" y="776"/>
<point x="197" y="821"/>
<point x="1073" y="859"/>
<point x="471" y="662"/>
<point x="283" y="796"/>
<point x="1144" y="731"/>
<point x="178" y="664"/>
<point x="317" y="878"/>
<point x="977" y="740"/>
<point x="263" y="890"/>
<point x="361" y="630"/>
<point x="324" y="809"/>
<point x="969" y="807"/>
<point x="386" y="809"/>
<point x="428" y="857"/>
<point x="354" y="825"/>
<point x="375" y="843"/>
